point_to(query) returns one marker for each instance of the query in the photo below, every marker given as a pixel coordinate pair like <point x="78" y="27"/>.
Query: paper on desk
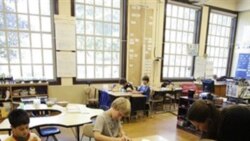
<point x="145" y="140"/>
<point x="73" y="109"/>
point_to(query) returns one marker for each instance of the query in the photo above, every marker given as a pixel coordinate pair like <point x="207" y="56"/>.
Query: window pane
<point x="34" y="6"/>
<point x="107" y="14"/>
<point x="99" y="57"/>
<point x="24" y="39"/>
<point x="90" y="56"/>
<point x="89" y="43"/>
<point x="14" y="56"/>
<point x="15" y="71"/>
<point x="1" y="21"/>
<point x="80" y="71"/>
<point x="115" y="72"/>
<point x="12" y="39"/>
<point x="89" y="12"/>
<point x="107" y="72"/>
<point x="89" y="27"/>
<point x="47" y="41"/>
<point x="116" y="58"/>
<point x="23" y="23"/>
<point x="37" y="56"/>
<point x="48" y="71"/>
<point x="36" y="40"/>
<point x="99" y="72"/>
<point x="2" y="39"/>
<point x="80" y="44"/>
<point x="46" y="24"/>
<point x="99" y="13"/>
<point x="45" y="7"/>
<point x="27" y="72"/>
<point x="48" y="58"/>
<point x="90" y="71"/>
<point x="10" y="5"/>
<point x="34" y="23"/>
<point x="80" y="57"/>
<point x="38" y="71"/>
<point x="22" y="6"/>
<point x="107" y="57"/>
<point x="116" y="15"/>
<point x="98" y="43"/>
<point x="3" y="56"/>
<point x="11" y="21"/>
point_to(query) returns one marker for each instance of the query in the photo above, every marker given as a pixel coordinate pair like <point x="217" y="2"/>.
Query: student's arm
<point x="99" y="137"/>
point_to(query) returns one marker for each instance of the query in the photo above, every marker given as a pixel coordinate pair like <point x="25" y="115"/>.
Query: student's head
<point x="19" y="121"/>
<point x="121" y="107"/>
<point x="145" y="79"/>
<point x="201" y="114"/>
<point x="123" y="81"/>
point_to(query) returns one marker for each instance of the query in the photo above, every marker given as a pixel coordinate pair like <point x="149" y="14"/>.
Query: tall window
<point x="181" y="27"/>
<point x="26" y="39"/>
<point x="220" y="41"/>
<point x="98" y="37"/>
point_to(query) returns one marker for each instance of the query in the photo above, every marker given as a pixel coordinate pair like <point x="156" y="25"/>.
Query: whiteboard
<point x="65" y="33"/>
<point x="66" y="64"/>
<point x="200" y="67"/>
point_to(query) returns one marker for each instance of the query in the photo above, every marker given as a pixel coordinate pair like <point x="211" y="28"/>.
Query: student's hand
<point x="125" y="138"/>
<point x="34" y="139"/>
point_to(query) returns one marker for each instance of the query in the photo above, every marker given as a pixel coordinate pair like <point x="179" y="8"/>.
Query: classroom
<point x="140" y="70"/>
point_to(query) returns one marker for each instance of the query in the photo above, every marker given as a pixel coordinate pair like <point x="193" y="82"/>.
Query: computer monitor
<point x="208" y="85"/>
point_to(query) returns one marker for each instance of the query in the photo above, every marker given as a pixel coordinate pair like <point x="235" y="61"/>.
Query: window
<point x="220" y="41"/>
<point x="181" y="28"/>
<point x="26" y="39"/>
<point x="98" y="39"/>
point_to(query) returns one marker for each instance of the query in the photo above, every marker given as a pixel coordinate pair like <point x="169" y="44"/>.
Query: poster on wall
<point x="243" y="66"/>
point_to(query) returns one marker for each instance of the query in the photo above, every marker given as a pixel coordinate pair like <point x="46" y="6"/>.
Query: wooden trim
<point x="124" y="39"/>
<point x="56" y="7"/>
<point x="72" y="8"/>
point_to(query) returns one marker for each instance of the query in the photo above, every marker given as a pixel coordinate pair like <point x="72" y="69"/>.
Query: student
<point x="230" y="124"/>
<point x="19" y="121"/>
<point x="144" y="88"/>
<point x="125" y="85"/>
<point x="108" y="126"/>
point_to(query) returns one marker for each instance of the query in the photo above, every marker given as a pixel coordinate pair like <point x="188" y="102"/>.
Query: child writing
<point x="19" y="121"/>
<point x="108" y="126"/>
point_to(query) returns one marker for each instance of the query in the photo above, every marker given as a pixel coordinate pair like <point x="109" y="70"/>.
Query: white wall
<point x="243" y="5"/>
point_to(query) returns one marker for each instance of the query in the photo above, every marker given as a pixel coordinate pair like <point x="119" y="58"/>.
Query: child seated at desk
<point x="144" y="88"/>
<point x="108" y="126"/>
<point x="126" y="85"/>
<point x="19" y="121"/>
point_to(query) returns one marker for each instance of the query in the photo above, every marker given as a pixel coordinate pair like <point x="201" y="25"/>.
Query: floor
<point x="159" y="124"/>
<point x="163" y="124"/>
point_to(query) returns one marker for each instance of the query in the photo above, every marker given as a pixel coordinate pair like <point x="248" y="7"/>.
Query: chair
<point x="92" y="97"/>
<point x="156" y="98"/>
<point x="48" y="131"/>
<point x="87" y="130"/>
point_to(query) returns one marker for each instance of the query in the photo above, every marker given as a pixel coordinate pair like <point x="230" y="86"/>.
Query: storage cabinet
<point x="182" y="121"/>
<point x="22" y="91"/>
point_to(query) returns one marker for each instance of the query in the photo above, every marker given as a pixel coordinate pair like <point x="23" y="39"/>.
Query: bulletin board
<point x="243" y="66"/>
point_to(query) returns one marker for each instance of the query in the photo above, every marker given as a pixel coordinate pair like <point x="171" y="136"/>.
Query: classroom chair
<point x="48" y="131"/>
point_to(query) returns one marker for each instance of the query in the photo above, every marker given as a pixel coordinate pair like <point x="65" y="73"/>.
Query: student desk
<point x="219" y="88"/>
<point x="150" y="138"/>
<point x="138" y="101"/>
<point x="3" y="137"/>
<point x="74" y="115"/>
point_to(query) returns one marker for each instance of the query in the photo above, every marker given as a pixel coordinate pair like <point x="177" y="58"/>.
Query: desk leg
<point x="78" y="133"/>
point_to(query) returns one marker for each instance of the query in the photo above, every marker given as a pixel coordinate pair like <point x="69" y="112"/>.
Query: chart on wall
<point x="243" y="66"/>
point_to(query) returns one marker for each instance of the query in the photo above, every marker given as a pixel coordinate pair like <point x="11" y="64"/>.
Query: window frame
<point x="232" y="35"/>
<point x="53" y="11"/>
<point x="196" y="40"/>
<point x="123" y="52"/>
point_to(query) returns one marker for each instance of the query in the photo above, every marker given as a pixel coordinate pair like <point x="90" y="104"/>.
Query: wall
<point x="243" y="5"/>
<point x="77" y="93"/>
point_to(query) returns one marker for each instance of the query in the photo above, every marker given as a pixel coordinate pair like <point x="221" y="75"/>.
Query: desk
<point x="219" y="88"/>
<point x="3" y="137"/>
<point x="74" y="115"/>
<point x="150" y="138"/>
